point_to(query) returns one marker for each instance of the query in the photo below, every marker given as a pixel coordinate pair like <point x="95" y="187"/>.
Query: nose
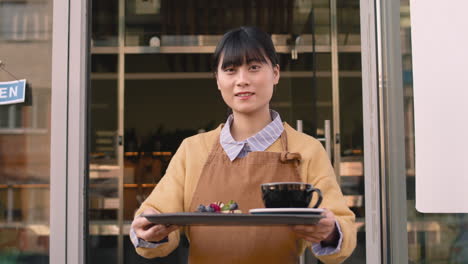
<point x="242" y="78"/>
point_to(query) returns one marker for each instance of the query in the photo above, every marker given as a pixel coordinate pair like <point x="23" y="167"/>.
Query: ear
<point x="276" y="74"/>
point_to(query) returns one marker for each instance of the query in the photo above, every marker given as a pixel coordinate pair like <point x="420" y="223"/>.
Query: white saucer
<point x="286" y="211"/>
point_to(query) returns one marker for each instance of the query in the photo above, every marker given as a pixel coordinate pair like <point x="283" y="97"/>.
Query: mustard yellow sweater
<point x="175" y="190"/>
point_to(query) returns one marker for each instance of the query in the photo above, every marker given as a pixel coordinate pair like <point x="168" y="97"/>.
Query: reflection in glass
<point x="104" y="23"/>
<point x="351" y="123"/>
<point x="171" y="93"/>
<point x="103" y="197"/>
<point x="432" y="238"/>
<point x="149" y="21"/>
<point x="26" y="42"/>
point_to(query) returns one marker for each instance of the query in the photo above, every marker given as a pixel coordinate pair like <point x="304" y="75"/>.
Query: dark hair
<point x="244" y="45"/>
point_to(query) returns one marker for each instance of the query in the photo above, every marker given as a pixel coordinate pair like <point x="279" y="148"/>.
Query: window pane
<point x="26" y="42"/>
<point x="169" y="96"/>
<point x="4" y="110"/>
<point x="432" y="238"/>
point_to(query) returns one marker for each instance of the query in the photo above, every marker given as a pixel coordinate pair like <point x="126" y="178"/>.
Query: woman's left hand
<point x="324" y="231"/>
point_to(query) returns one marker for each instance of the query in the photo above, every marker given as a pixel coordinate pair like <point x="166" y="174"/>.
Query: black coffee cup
<point x="289" y="195"/>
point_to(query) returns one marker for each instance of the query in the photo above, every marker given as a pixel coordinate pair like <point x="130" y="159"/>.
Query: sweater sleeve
<point x="167" y="197"/>
<point x="321" y="174"/>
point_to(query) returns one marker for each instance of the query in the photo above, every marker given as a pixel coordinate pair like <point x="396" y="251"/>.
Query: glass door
<point x="152" y="86"/>
<point x="104" y="169"/>
<point x="25" y="131"/>
<point x="435" y="237"/>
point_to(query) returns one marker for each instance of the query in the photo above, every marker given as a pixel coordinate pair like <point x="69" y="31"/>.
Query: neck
<point x="245" y="126"/>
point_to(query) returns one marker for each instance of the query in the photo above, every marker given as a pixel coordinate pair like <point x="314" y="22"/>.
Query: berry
<point x="233" y="206"/>
<point x="209" y="209"/>
<point x="215" y="207"/>
<point x="201" y="208"/>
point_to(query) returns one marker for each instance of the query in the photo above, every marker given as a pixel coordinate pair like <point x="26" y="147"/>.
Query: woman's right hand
<point x="150" y="232"/>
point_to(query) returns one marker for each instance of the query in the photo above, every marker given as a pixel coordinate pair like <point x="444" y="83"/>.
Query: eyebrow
<point x="252" y="60"/>
<point x="256" y="60"/>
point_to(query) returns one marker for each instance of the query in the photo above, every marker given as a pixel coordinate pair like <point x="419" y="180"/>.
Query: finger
<point x="172" y="228"/>
<point x="159" y="232"/>
<point x="137" y="222"/>
<point x="167" y="229"/>
<point x="325" y="226"/>
<point x="158" y="229"/>
<point x="324" y="229"/>
<point x="141" y="222"/>
<point x="329" y="215"/>
<point x="152" y="234"/>
<point x="328" y="221"/>
<point x="144" y="234"/>
<point x="148" y="234"/>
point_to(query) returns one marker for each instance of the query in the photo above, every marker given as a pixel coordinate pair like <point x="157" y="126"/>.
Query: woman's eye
<point x="255" y="67"/>
<point x="229" y="70"/>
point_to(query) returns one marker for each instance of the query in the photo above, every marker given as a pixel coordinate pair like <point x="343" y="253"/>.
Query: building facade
<point x="115" y="86"/>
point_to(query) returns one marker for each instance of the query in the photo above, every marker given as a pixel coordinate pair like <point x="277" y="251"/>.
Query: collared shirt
<point x="258" y="142"/>
<point x="238" y="149"/>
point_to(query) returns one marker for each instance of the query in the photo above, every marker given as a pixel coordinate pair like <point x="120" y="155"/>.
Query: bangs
<point x="244" y="45"/>
<point x="239" y="49"/>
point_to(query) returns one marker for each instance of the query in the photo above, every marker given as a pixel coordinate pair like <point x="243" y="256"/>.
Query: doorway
<point x="152" y="86"/>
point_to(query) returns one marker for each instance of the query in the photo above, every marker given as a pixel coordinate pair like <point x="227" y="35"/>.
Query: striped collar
<point x="258" y="142"/>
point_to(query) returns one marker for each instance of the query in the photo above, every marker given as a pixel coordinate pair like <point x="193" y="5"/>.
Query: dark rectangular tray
<point x="233" y="219"/>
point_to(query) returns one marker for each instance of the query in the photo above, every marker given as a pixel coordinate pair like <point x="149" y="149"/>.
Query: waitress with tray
<point x="231" y="162"/>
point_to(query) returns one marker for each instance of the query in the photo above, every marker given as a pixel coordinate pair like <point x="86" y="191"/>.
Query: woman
<point x="230" y="163"/>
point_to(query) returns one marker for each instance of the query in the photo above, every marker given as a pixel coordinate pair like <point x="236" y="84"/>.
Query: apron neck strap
<point x="284" y="141"/>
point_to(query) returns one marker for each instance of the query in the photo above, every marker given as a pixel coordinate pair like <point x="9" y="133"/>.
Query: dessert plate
<point x="294" y="211"/>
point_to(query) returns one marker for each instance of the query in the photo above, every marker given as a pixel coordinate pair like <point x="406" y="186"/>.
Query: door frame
<point x="68" y="166"/>
<point x="370" y="109"/>
<point x="384" y="134"/>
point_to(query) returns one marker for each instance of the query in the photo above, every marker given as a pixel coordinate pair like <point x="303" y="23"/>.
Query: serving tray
<point x="213" y="219"/>
<point x="300" y="211"/>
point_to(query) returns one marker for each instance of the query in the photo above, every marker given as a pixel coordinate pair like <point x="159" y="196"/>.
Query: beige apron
<point x="240" y="180"/>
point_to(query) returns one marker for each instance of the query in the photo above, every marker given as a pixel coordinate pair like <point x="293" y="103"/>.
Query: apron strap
<point x="284" y="141"/>
<point x="287" y="156"/>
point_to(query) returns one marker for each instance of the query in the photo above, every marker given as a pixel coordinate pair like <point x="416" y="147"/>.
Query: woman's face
<point x="247" y="89"/>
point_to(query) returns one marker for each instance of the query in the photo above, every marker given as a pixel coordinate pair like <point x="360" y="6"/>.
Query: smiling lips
<point x="244" y="95"/>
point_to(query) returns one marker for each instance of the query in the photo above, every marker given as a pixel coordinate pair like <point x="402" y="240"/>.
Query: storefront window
<point x="432" y="238"/>
<point x="161" y="72"/>
<point x="25" y="51"/>
<point x="351" y="123"/>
